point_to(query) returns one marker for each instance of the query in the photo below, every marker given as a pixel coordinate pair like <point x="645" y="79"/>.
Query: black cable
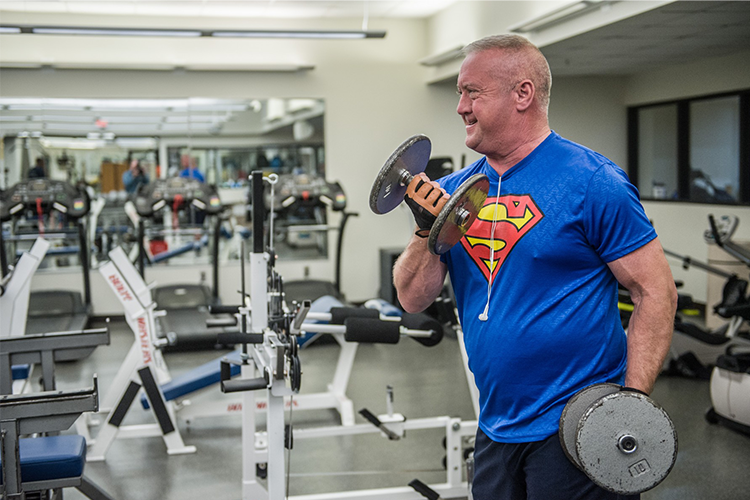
<point x="289" y="448"/>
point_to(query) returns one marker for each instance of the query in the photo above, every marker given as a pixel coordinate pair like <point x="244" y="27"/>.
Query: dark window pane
<point x="715" y="150"/>
<point x="657" y="152"/>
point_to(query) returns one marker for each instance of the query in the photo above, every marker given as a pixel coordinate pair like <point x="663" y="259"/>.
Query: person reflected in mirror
<point x="190" y="170"/>
<point x="134" y="177"/>
<point x="38" y="171"/>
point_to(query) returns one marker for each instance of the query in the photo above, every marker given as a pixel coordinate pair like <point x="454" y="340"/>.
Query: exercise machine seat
<point x="202" y="376"/>
<point x="52" y="457"/>
<point x="20" y="372"/>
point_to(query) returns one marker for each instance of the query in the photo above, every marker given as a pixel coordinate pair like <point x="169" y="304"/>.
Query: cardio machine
<point x="59" y="208"/>
<point x="300" y="206"/>
<point x="187" y="305"/>
<point x="730" y="377"/>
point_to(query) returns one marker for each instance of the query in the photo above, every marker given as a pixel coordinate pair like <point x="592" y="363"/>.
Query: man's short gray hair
<point x="534" y="66"/>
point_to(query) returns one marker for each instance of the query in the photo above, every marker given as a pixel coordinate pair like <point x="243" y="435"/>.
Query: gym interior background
<point x="626" y="74"/>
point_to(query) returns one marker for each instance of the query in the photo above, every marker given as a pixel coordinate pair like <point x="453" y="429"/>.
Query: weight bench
<point x="44" y="463"/>
<point x="198" y="378"/>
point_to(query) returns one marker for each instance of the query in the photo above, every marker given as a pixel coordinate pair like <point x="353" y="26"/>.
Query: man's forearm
<point x="418" y="276"/>
<point x="649" y="337"/>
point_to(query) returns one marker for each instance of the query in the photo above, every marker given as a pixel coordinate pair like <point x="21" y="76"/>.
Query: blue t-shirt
<point x="564" y="212"/>
<point x="193" y="173"/>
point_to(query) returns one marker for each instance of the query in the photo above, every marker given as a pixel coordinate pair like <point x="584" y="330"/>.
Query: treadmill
<point x="187" y="305"/>
<point x="66" y="204"/>
<point x="301" y="207"/>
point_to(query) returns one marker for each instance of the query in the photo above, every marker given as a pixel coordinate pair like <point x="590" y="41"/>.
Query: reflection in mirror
<point x="106" y="143"/>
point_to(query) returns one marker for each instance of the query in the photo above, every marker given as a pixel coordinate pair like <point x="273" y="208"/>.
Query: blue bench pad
<point x="197" y="378"/>
<point x="20" y="372"/>
<point x="53" y="457"/>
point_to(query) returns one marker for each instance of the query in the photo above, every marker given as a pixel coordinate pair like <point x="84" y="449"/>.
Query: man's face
<point x="485" y="103"/>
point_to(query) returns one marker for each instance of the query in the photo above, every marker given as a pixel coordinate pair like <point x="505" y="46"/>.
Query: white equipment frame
<point x="143" y="367"/>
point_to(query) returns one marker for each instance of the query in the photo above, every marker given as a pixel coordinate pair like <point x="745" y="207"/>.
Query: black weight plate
<point x="387" y="191"/>
<point x="574" y="410"/>
<point x="600" y="429"/>
<point x="448" y="229"/>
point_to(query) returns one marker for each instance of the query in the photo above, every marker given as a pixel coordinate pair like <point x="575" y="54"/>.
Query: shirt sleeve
<point x="615" y="221"/>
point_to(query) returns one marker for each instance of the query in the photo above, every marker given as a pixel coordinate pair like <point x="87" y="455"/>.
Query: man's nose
<point x="463" y="104"/>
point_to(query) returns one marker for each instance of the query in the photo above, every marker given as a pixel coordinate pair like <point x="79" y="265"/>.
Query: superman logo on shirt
<point x="514" y="216"/>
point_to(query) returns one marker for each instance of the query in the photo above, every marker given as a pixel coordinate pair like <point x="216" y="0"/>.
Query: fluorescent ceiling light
<point x="298" y="34"/>
<point x="167" y="32"/>
<point x="136" y="142"/>
<point x="275" y="67"/>
<point x="50" y="30"/>
<point x="71" y="143"/>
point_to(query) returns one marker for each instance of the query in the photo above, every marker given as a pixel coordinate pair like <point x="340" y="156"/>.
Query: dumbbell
<point x="457" y="214"/>
<point x="620" y="438"/>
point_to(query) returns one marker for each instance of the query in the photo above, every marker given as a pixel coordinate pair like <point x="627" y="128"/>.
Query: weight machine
<point x="270" y="362"/>
<point x="48" y="462"/>
<point x="694" y="349"/>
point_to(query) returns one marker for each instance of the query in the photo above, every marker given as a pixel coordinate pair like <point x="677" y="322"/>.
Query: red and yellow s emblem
<point x="514" y="215"/>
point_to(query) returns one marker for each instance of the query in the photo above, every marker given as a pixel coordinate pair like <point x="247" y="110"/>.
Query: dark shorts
<point x="531" y="471"/>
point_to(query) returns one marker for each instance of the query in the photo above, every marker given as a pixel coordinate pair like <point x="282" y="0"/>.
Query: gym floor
<point x="712" y="460"/>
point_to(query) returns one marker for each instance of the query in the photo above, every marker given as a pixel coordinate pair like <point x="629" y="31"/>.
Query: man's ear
<point x="524" y="94"/>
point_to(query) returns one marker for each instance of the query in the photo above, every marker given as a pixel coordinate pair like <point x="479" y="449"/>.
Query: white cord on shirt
<point x="485" y="314"/>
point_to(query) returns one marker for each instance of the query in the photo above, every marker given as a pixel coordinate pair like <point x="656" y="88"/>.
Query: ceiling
<point x="677" y="33"/>
<point x="239" y="8"/>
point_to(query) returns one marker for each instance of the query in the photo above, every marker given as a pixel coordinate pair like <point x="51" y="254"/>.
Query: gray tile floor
<point x="712" y="461"/>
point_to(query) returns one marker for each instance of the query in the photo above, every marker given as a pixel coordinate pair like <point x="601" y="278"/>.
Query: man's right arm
<point x="418" y="276"/>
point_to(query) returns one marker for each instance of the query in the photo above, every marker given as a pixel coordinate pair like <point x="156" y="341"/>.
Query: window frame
<point x="683" y="146"/>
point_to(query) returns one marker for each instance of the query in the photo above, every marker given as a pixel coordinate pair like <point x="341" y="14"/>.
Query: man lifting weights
<point x="535" y="277"/>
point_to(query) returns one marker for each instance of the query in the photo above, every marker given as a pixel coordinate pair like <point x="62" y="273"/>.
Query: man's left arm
<point x="646" y="274"/>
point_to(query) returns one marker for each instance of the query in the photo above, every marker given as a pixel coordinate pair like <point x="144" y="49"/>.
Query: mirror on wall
<point x="94" y="141"/>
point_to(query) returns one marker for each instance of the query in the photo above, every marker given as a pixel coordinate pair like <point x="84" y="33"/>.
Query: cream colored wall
<point x="590" y="111"/>
<point x="706" y="76"/>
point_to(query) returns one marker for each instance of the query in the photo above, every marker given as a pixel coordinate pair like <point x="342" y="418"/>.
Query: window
<point x="694" y="150"/>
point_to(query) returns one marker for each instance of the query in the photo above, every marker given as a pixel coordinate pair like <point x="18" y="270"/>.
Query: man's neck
<point x="504" y="161"/>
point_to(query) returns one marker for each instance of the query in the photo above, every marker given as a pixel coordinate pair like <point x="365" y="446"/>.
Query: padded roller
<point x="223" y="309"/>
<point x="340" y="314"/>
<point x="371" y="331"/>
<point x="421" y="321"/>
<point x="231" y="338"/>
